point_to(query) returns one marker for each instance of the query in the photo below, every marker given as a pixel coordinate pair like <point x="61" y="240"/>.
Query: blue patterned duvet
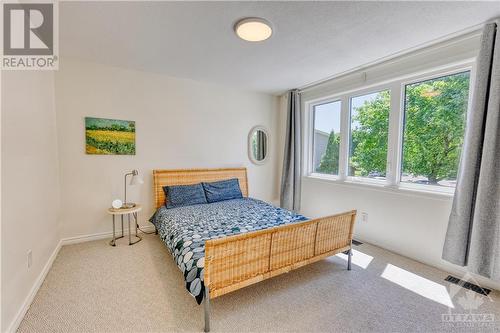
<point x="185" y="230"/>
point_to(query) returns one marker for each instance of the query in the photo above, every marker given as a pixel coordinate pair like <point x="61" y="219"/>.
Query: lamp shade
<point x="136" y="179"/>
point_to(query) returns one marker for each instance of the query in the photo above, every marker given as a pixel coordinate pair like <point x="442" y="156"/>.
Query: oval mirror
<point x="258" y="143"/>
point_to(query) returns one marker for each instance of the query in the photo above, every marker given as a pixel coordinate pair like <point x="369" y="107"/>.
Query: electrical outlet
<point x="30" y="259"/>
<point x="364" y="217"/>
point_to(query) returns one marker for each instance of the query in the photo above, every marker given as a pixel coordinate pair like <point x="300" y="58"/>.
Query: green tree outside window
<point x="435" y="113"/>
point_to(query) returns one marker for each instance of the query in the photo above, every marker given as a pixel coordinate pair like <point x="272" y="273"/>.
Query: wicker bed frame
<point x="238" y="261"/>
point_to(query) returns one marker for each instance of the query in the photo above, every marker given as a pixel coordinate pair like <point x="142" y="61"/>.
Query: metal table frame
<point x="113" y="241"/>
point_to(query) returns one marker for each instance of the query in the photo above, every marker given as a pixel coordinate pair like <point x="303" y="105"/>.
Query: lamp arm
<point x="125" y="185"/>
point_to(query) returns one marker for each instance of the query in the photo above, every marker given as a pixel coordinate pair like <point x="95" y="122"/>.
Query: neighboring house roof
<point x="316" y="131"/>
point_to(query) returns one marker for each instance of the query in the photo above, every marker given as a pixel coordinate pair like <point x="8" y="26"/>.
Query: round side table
<point x="128" y="212"/>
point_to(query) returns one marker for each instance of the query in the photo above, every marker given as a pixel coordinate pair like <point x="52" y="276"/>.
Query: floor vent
<point x="468" y="285"/>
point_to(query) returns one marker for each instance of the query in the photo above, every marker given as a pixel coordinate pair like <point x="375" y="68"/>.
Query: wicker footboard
<point x="235" y="262"/>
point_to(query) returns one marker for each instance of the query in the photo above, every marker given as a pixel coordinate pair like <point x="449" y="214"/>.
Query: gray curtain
<point x="290" y="177"/>
<point x="473" y="236"/>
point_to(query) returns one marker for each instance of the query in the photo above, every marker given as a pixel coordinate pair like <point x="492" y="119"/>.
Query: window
<point x="369" y="134"/>
<point x="406" y="133"/>
<point x="434" y="126"/>
<point x="326" y="138"/>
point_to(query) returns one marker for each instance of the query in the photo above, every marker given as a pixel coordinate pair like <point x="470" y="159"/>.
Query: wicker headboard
<point x="192" y="176"/>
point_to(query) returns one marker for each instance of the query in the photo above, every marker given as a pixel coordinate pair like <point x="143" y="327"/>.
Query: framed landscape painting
<point x="109" y="136"/>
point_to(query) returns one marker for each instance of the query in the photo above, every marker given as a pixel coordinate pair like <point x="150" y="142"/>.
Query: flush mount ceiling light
<point x="253" y="29"/>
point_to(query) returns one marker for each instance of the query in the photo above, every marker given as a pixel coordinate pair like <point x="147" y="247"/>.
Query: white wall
<point x="413" y="225"/>
<point x="30" y="185"/>
<point x="51" y="189"/>
<point x="179" y="124"/>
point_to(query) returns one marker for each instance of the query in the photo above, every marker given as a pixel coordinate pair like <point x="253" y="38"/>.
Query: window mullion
<point x="310" y="138"/>
<point x="394" y="140"/>
<point x="344" y="139"/>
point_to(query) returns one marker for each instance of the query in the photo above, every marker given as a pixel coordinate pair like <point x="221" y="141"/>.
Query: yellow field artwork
<point x="109" y="136"/>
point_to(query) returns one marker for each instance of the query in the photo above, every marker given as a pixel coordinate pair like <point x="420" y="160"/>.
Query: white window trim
<point x="356" y="179"/>
<point x="396" y="86"/>
<point x="383" y="188"/>
<point x="310" y="160"/>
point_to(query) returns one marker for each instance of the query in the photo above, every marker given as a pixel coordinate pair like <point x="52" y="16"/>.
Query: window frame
<point x="311" y="125"/>
<point x="396" y="87"/>
<point x="357" y="178"/>
<point x="420" y="79"/>
<point x="313" y="128"/>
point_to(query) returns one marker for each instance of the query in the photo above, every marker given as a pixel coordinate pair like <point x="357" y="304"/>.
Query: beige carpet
<point x="93" y="287"/>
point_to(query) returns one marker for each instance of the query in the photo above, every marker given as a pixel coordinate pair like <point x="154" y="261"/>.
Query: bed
<point x="224" y="246"/>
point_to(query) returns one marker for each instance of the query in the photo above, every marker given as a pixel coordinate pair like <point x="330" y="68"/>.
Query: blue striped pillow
<point x="222" y="190"/>
<point x="184" y="195"/>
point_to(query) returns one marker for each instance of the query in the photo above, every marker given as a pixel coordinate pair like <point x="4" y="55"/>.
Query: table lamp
<point x="135" y="180"/>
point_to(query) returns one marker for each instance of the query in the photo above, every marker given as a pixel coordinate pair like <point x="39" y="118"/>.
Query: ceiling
<point x="311" y="40"/>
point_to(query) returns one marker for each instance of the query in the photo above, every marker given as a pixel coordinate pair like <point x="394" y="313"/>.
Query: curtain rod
<point x="467" y="32"/>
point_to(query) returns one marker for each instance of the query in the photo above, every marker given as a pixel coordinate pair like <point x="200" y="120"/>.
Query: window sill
<point x="382" y="186"/>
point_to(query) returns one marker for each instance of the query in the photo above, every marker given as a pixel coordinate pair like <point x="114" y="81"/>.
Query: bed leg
<point x="349" y="256"/>
<point x="206" y="305"/>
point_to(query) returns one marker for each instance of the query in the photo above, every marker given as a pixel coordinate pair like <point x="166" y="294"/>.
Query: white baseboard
<point x="441" y="265"/>
<point x="101" y="235"/>
<point x="14" y="325"/>
<point x="41" y="277"/>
